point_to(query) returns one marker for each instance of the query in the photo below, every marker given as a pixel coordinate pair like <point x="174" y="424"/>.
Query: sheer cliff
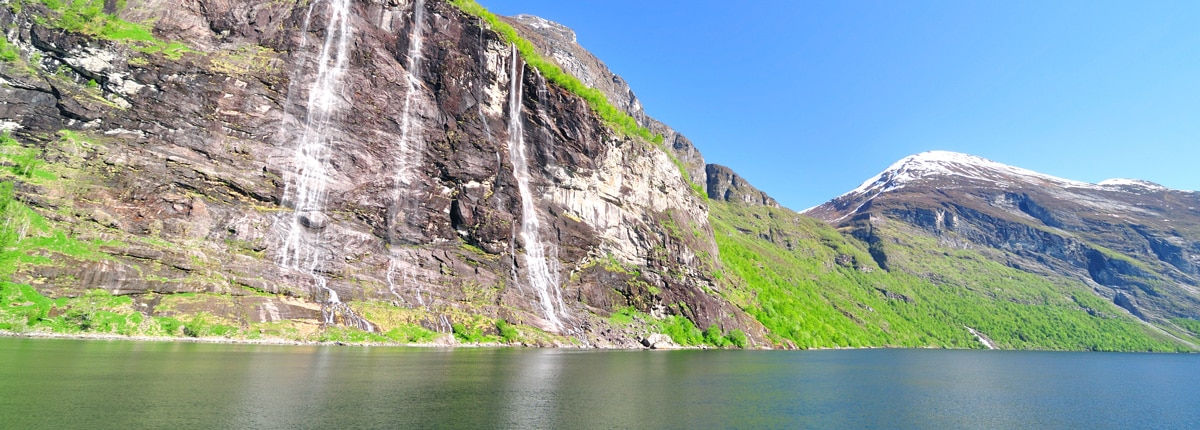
<point x="336" y="168"/>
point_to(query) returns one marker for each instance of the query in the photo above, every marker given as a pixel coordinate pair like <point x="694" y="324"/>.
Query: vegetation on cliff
<point x="616" y="118"/>
<point x="89" y="17"/>
<point x="815" y="288"/>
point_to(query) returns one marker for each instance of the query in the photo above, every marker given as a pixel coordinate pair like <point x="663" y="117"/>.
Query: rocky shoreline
<point x="654" y="342"/>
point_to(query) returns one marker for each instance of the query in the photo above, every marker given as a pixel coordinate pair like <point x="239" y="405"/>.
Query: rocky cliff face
<point x="726" y="185"/>
<point x="348" y="163"/>
<point x="1134" y="242"/>
<point x="557" y="42"/>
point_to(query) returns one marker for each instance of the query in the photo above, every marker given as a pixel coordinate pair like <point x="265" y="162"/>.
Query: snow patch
<point x="1132" y="183"/>
<point x="953" y="164"/>
<point x="542" y="24"/>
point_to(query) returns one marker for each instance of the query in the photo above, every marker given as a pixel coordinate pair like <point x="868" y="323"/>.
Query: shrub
<point x="713" y="337"/>
<point x="508" y="332"/>
<point x="681" y="330"/>
<point x="410" y="334"/>
<point x="737" y="338"/>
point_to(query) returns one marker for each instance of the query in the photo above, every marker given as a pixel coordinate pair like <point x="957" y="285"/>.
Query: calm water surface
<point x="118" y="384"/>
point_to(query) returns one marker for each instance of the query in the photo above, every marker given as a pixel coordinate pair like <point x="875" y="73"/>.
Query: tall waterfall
<point x="541" y="277"/>
<point x="408" y="158"/>
<point x="409" y="153"/>
<point x="306" y="191"/>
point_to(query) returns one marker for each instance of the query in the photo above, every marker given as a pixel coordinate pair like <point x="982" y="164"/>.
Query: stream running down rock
<point x="541" y="276"/>
<point x="307" y="187"/>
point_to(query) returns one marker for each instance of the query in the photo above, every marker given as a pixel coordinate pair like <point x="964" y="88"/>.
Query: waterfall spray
<point x="307" y="191"/>
<point x="541" y="277"/>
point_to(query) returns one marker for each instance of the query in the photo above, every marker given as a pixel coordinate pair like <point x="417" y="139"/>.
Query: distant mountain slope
<point x="814" y="287"/>
<point x="1134" y="243"/>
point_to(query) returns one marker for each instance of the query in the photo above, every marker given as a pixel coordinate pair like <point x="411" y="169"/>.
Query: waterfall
<point x="541" y="277"/>
<point x="307" y="190"/>
<point x="411" y="146"/>
<point x="409" y="154"/>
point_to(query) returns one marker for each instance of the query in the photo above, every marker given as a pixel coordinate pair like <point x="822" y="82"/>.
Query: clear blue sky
<point x="806" y="99"/>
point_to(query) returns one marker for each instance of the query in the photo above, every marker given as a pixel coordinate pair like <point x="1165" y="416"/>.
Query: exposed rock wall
<point x="557" y="42"/>
<point x="726" y="185"/>
<point x="188" y="159"/>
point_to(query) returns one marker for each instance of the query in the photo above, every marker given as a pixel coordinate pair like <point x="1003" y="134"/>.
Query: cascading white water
<point x="406" y="279"/>
<point x="541" y="277"/>
<point x="408" y="154"/>
<point x="411" y="147"/>
<point x="306" y="192"/>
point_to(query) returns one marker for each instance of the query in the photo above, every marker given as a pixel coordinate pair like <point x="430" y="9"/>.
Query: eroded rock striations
<point x="347" y="163"/>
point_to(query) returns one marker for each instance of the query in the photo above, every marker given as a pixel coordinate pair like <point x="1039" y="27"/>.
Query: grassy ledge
<point x="617" y="119"/>
<point x="88" y="17"/>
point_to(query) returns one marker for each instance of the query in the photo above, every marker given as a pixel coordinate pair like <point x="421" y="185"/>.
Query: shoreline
<point x="235" y="341"/>
<point x="448" y="342"/>
<point x="454" y="344"/>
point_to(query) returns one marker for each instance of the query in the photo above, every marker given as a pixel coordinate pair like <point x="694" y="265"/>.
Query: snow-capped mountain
<point x="943" y="171"/>
<point x="956" y="167"/>
<point x="1134" y="241"/>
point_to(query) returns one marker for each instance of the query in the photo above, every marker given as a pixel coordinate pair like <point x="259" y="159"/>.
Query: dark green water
<point x="110" y="384"/>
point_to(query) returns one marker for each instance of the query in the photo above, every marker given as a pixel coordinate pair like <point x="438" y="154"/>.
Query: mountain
<point x="1131" y="242"/>
<point x="423" y="171"/>
<point x="340" y="170"/>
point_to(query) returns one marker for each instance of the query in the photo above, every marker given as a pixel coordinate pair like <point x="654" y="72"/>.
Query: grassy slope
<point x="804" y="296"/>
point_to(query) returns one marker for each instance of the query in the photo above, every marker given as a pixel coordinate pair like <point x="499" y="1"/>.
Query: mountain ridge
<point x="1132" y="241"/>
<point x="419" y="171"/>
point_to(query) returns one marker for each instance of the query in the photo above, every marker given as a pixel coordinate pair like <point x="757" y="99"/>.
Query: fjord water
<point x="123" y="384"/>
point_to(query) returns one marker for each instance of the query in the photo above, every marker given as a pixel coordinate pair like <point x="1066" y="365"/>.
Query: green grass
<point x="22" y="161"/>
<point x="471" y="334"/>
<point x="623" y="316"/>
<point x="806" y="297"/>
<point x="351" y="335"/>
<point x="617" y="119"/>
<point x="508" y="332"/>
<point x="411" y="333"/>
<point x="88" y="17"/>
<point x="1188" y="324"/>
<point x="8" y="51"/>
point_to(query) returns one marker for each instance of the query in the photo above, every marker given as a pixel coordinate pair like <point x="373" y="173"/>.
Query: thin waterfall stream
<point x="410" y="145"/>
<point x="409" y="156"/>
<point x="307" y="191"/>
<point x="541" y="277"/>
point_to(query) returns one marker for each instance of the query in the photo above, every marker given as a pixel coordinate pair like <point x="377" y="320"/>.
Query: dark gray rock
<point x="725" y="185"/>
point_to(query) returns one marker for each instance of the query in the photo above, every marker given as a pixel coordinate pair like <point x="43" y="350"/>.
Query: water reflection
<point x="95" y="384"/>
